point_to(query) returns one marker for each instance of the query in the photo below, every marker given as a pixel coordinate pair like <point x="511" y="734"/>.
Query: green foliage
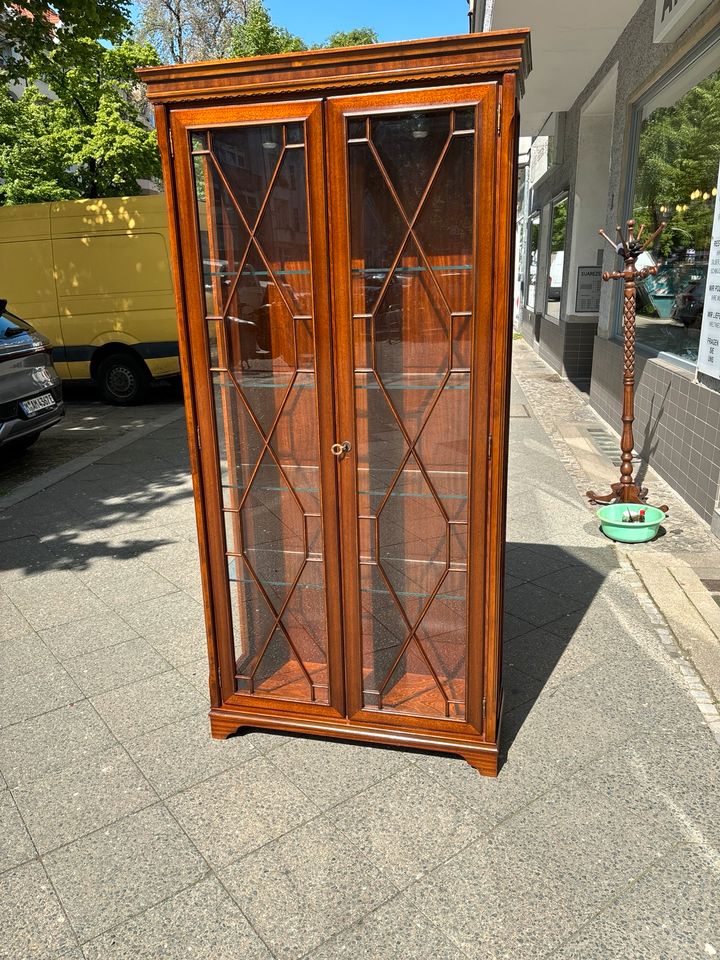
<point x="185" y="30"/>
<point x="678" y="154"/>
<point x="91" y="140"/>
<point x="31" y="28"/>
<point x="258" y="35"/>
<point x="559" y="225"/>
<point x="352" y="38"/>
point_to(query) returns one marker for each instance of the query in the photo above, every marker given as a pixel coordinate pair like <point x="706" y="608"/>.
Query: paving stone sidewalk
<point x="127" y="833"/>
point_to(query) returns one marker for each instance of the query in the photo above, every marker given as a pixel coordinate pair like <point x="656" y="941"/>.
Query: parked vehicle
<point x="688" y="305"/>
<point x="30" y="388"/>
<point x="94" y="276"/>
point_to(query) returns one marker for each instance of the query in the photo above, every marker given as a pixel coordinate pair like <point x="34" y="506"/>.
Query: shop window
<point x="676" y="175"/>
<point x="553" y="293"/>
<point x="533" y="246"/>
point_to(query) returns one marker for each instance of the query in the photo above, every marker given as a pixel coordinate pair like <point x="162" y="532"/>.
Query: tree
<point x="258" y="35"/>
<point x="32" y="27"/>
<point x="352" y="38"/>
<point x="91" y="139"/>
<point x="677" y="163"/>
<point x="185" y="30"/>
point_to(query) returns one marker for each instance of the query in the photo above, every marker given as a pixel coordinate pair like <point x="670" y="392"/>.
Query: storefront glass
<point x="676" y="180"/>
<point x="533" y="251"/>
<point x="557" y="258"/>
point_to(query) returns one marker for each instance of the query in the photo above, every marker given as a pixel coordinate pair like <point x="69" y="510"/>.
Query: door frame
<point x="480" y="608"/>
<point x="198" y="378"/>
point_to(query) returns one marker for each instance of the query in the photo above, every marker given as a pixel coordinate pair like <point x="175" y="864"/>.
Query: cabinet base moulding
<point x="483" y="757"/>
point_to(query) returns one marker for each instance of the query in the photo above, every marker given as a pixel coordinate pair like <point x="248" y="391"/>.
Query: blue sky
<point x="316" y="19"/>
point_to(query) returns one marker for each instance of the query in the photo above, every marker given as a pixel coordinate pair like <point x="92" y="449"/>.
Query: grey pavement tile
<point x="304" y="887"/>
<point x="24" y="654"/>
<point x="592" y="835"/>
<point x="50" y="599"/>
<point x="32" y="921"/>
<point x="495" y="901"/>
<point x="85" y="635"/>
<point x="239" y="810"/>
<point x="81" y="798"/>
<point x="550" y="658"/>
<point x="12" y="623"/>
<point x="15" y="844"/>
<point x="23" y="556"/>
<point x="537" y="605"/>
<point x="196" y="673"/>
<point x="332" y="771"/>
<point x="514" y="627"/>
<point x="140" y="707"/>
<point x="33" y="694"/>
<point x="116" y="666"/>
<point x="183" y="753"/>
<point x="671" y="912"/>
<point x="121" y="870"/>
<point x="397" y="930"/>
<point x="519" y="687"/>
<point x="114" y="579"/>
<point x="31" y="749"/>
<point x="408" y="824"/>
<point x="201" y="923"/>
<point x="173" y="624"/>
<point x="517" y="783"/>
<point x="526" y="564"/>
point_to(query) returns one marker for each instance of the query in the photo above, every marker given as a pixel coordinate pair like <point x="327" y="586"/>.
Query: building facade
<point x="639" y="138"/>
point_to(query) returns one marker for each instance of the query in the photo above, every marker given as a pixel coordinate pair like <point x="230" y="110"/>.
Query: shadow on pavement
<point x="548" y="593"/>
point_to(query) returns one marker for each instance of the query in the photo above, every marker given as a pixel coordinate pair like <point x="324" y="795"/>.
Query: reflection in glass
<point x="557" y="258"/>
<point x="676" y="181"/>
<point x="533" y="253"/>
<point x="253" y="220"/>
<point x="412" y="304"/>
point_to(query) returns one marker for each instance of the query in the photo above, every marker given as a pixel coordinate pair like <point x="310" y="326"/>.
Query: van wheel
<point x="123" y="379"/>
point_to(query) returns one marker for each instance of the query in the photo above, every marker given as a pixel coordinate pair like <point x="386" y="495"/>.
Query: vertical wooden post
<point x="629" y="248"/>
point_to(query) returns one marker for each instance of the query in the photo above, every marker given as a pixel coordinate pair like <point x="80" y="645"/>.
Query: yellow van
<point x="94" y="276"/>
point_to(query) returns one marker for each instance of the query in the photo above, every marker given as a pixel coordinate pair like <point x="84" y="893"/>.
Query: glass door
<point x="411" y="225"/>
<point x="254" y="254"/>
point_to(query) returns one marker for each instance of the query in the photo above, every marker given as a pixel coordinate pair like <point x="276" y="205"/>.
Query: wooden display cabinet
<point x="342" y="227"/>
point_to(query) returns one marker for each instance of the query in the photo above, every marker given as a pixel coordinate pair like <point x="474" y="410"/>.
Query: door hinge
<point x="489" y="446"/>
<point x="499" y="116"/>
<point x="197" y="435"/>
<point x="484" y="709"/>
<point x="170" y="141"/>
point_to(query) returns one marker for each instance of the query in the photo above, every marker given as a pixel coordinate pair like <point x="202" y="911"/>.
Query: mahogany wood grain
<point x="445" y="692"/>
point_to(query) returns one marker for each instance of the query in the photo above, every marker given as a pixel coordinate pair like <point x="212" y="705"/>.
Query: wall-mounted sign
<point x="674" y="16"/>
<point x="587" y="297"/>
<point x="709" y="346"/>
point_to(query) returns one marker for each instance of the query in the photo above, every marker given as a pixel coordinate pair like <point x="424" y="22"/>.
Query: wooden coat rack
<point x="629" y="247"/>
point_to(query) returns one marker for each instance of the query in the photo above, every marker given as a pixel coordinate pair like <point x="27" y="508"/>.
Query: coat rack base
<point x="623" y="493"/>
<point x="483" y="757"/>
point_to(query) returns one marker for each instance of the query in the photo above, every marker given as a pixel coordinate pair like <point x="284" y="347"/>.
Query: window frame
<point x="674" y="71"/>
<point x="528" y="257"/>
<point x="564" y="195"/>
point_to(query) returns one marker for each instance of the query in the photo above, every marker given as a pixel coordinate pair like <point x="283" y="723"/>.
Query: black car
<point x="30" y="389"/>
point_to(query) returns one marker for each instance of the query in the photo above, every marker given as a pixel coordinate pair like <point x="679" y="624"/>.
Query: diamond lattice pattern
<point x="253" y="218"/>
<point x="411" y="238"/>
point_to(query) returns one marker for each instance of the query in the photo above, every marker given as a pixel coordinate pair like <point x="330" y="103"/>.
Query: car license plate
<point x="37" y="404"/>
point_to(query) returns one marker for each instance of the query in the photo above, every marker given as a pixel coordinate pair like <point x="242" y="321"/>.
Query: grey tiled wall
<point x="677" y="422"/>
<point x="566" y="347"/>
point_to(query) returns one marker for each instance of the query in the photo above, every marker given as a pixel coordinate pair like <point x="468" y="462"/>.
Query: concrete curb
<point x="79" y="463"/>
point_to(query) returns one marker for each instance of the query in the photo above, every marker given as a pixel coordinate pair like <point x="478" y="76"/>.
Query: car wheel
<point x="123" y="379"/>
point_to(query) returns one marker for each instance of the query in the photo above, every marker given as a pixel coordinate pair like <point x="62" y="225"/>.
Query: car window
<point x="12" y="326"/>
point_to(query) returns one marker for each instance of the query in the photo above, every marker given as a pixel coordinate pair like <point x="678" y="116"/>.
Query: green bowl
<point x="612" y="526"/>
